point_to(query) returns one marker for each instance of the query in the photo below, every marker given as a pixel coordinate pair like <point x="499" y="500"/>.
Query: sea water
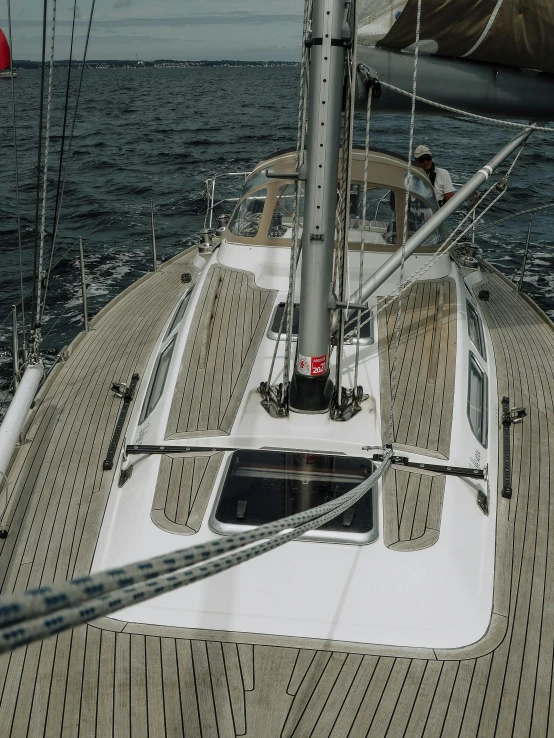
<point x="155" y="135"/>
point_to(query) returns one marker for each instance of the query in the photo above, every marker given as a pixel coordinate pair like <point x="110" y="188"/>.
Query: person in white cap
<point x="440" y="178"/>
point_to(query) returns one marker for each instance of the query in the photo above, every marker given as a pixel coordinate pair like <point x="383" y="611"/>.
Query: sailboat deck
<point x="113" y="678"/>
<point x="425" y="366"/>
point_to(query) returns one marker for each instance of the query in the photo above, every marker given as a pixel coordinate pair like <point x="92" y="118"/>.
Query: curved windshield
<point x="419" y="212"/>
<point x="380" y="215"/>
<point x="256" y="179"/>
<point x="419" y="187"/>
<point x="248" y="215"/>
<point x="283" y="213"/>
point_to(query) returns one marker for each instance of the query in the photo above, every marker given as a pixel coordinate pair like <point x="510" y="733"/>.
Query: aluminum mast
<point x="311" y="386"/>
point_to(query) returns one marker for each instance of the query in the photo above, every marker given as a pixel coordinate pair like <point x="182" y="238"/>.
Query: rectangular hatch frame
<point x="261" y="486"/>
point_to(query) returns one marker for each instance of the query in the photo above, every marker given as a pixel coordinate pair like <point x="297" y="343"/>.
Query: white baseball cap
<point x="421" y="151"/>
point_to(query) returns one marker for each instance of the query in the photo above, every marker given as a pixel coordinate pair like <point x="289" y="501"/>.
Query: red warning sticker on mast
<point x="312" y="366"/>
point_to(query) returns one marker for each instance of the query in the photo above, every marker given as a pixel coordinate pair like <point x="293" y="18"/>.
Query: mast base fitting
<point x="310" y="394"/>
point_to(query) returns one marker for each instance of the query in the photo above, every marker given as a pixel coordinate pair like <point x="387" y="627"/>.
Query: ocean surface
<point x="154" y="135"/>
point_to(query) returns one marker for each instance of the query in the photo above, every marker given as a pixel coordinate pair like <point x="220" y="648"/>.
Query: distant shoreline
<point x="157" y="63"/>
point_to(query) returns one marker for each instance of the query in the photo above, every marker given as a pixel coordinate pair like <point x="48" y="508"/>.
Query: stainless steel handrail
<point x="415" y="241"/>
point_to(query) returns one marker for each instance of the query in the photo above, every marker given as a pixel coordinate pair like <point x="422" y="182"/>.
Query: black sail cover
<point x="516" y="33"/>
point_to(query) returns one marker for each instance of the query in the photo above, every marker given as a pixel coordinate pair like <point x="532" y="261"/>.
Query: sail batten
<point x="515" y="33"/>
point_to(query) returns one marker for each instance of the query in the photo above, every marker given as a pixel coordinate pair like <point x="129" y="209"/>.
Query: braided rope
<point x="458" y="111"/>
<point x="52" y="609"/>
<point x="67" y="160"/>
<point x="294" y="252"/>
<point x="45" y="174"/>
<point x="405" y="227"/>
<point x="343" y="210"/>
<point x="362" y="239"/>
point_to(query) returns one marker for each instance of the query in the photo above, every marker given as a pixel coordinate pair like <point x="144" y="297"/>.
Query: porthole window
<point x="475" y="330"/>
<point x="477" y="400"/>
<point x="157" y="383"/>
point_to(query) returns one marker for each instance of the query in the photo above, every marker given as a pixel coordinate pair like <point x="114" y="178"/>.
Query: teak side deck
<point x="120" y="679"/>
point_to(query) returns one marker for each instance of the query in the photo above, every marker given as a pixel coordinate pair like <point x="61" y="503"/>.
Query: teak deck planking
<point x="228" y="327"/>
<point x="412" y="508"/>
<point x="112" y="678"/>
<point x="425" y="367"/>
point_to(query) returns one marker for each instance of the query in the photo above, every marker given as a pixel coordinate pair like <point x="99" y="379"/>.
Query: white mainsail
<point x="376" y="18"/>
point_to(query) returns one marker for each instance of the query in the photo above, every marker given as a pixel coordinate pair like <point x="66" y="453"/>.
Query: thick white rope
<point x="362" y="238"/>
<point x="465" y="113"/>
<point x="343" y="230"/>
<point x="408" y="183"/>
<point x="300" y="146"/>
<point x="35" y="614"/>
<point x="45" y="175"/>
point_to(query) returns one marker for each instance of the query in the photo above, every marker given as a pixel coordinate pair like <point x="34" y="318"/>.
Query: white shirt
<point x="443" y="183"/>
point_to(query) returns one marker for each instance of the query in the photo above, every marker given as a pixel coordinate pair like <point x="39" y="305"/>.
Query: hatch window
<point x="380" y="216"/>
<point x="264" y="486"/>
<point x="279" y="323"/>
<point x="257" y="179"/>
<point x="475" y="329"/>
<point x="157" y="383"/>
<point x="477" y="400"/>
<point x="248" y="215"/>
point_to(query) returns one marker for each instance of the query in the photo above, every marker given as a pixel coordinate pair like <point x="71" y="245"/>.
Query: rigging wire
<point x="17" y="202"/>
<point x="45" y="175"/>
<point x="447" y="246"/>
<point x="37" y="192"/>
<point x="300" y="146"/>
<point x="64" y="125"/>
<point x="362" y="238"/>
<point x="344" y="402"/>
<point x="408" y="181"/>
<point x="516" y="215"/>
<point x="67" y="159"/>
<point x="272" y="396"/>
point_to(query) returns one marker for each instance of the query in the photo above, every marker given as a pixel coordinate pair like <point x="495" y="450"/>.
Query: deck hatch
<point x="263" y="486"/>
<point x="366" y="327"/>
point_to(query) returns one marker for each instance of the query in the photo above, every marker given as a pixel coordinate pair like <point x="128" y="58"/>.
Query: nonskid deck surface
<point x="425" y="364"/>
<point x="122" y="679"/>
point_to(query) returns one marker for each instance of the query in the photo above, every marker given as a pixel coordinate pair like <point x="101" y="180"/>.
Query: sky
<point x="162" y="29"/>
